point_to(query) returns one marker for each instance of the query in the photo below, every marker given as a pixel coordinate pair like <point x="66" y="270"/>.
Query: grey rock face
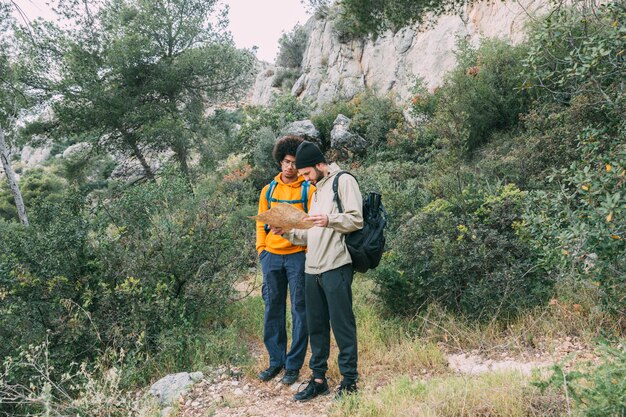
<point x="31" y="156"/>
<point x="263" y="91"/>
<point x="76" y="150"/>
<point x="333" y="69"/>
<point x="342" y="139"/>
<point x="170" y="387"/>
<point x="304" y="128"/>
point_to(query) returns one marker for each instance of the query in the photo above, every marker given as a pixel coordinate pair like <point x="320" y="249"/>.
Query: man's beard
<point x="318" y="174"/>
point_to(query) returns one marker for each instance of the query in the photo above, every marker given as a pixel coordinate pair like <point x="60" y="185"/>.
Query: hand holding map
<point x="285" y="216"/>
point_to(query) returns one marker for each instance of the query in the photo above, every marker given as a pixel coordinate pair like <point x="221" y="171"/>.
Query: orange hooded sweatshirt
<point x="269" y="241"/>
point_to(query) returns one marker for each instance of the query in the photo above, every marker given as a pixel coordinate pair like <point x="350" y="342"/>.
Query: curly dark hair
<point x="286" y="146"/>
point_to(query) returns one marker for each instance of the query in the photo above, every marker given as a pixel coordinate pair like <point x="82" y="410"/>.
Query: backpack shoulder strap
<point x="268" y="197"/>
<point x="336" y="189"/>
<point x="305" y="196"/>
<point x="270" y="191"/>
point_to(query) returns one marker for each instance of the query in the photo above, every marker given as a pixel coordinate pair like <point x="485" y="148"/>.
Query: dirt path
<point x="229" y="393"/>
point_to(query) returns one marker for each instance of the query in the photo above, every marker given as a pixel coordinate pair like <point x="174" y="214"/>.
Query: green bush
<point x="481" y="95"/>
<point x="291" y="47"/>
<point x="578" y="50"/>
<point x="286" y="78"/>
<point x="324" y="118"/>
<point x="466" y="255"/>
<point x="374" y="118"/>
<point x="283" y="109"/>
<point x="264" y="164"/>
<point x="35" y="185"/>
<point x="580" y="227"/>
<point x="596" y="390"/>
<point x="124" y="271"/>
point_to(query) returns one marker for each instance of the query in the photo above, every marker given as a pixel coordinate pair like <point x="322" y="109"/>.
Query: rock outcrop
<point x="391" y="64"/>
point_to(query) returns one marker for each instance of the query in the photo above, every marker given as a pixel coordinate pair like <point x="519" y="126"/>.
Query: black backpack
<point x="366" y="245"/>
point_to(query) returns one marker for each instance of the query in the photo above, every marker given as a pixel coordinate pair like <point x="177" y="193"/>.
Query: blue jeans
<point x="280" y="272"/>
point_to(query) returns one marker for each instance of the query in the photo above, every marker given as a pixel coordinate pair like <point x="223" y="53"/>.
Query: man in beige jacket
<point x="328" y="270"/>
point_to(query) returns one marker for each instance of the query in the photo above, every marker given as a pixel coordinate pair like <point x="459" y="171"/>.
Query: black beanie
<point x="308" y="155"/>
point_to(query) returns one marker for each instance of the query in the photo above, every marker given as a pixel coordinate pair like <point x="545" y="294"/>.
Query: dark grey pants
<point x="329" y="303"/>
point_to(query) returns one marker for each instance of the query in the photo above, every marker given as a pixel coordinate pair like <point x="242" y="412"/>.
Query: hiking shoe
<point x="312" y="390"/>
<point x="270" y="373"/>
<point x="346" y="388"/>
<point x="290" y="377"/>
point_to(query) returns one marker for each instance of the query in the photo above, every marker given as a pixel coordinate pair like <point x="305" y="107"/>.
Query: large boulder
<point x="32" y="156"/>
<point x="303" y="128"/>
<point x="342" y="139"/>
<point x="77" y="150"/>
<point x="170" y="387"/>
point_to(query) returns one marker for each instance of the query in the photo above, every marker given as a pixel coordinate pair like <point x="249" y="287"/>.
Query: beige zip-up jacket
<point x="326" y="245"/>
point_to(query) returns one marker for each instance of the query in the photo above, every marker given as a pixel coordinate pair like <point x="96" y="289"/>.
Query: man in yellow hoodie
<point x="283" y="266"/>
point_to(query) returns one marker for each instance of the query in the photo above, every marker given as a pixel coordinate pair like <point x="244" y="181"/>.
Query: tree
<point x="365" y="17"/>
<point x="133" y="76"/>
<point x="292" y="46"/>
<point x="12" y="98"/>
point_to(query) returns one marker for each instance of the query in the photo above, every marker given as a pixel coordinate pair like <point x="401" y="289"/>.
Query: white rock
<point x="333" y="70"/>
<point x="170" y="387"/>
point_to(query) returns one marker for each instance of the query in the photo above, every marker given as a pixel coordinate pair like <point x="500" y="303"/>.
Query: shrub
<point x="264" y="163"/>
<point x="580" y="227"/>
<point x="467" y="256"/>
<point x="596" y="390"/>
<point x="283" y="110"/>
<point x="291" y="47"/>
<point x="576" y="51"/>
<point x="481" y="95"/>
<point x="285" y="78"/>
<point x="374" y="118"/>
<point x="125" y="270"/>
<point x="324" y="118"/>
<point x="35" y="184"/>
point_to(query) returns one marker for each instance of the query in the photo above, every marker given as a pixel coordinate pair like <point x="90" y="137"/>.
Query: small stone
<point x="238" y="391"/>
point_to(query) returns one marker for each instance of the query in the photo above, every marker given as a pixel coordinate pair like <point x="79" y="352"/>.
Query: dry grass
<point x="494" y="394"/>
<point x="403" y="367"/>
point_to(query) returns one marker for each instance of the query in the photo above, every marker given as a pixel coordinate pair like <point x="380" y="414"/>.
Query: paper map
<point x="285" y="216"/>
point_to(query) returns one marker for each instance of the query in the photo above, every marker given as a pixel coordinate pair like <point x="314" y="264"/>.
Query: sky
<point x="252" y="22"/>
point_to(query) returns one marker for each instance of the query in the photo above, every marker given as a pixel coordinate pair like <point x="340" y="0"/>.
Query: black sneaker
<point x="312" y="390"/>
<point x="290" y="377"/>
<point x="346" y="388"/>
<point x="270" y="373"/>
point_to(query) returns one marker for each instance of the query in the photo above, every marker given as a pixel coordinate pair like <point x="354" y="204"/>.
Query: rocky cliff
<point x="338" y="70"/>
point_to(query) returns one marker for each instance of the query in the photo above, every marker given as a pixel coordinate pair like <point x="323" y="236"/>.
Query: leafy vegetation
<point x="506" y="203"/>
<point x="366" y="17"/>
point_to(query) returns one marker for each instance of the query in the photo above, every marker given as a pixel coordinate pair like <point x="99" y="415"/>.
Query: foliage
<point x="291" y="48"/>
<point x="135" y="75"/>
<point x="374" y="117"/>
<point x="285" y="78"/>
<point x="124" y="271"/>
<point x="581" y="227"/>
<point x="219" y="138"/>
<point x="466" y="255"/>
<point x="580" y="51"/>
<point x="82" y="391"/>
<point x="359" y="18"/>
<point x="262" y="156"/>
<point x="480" y="96"/>
<point x="35" y="184"/>
<point x="325" y="117"/>
<point x="597" y="390"/>
<point x="282" y="110"/>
